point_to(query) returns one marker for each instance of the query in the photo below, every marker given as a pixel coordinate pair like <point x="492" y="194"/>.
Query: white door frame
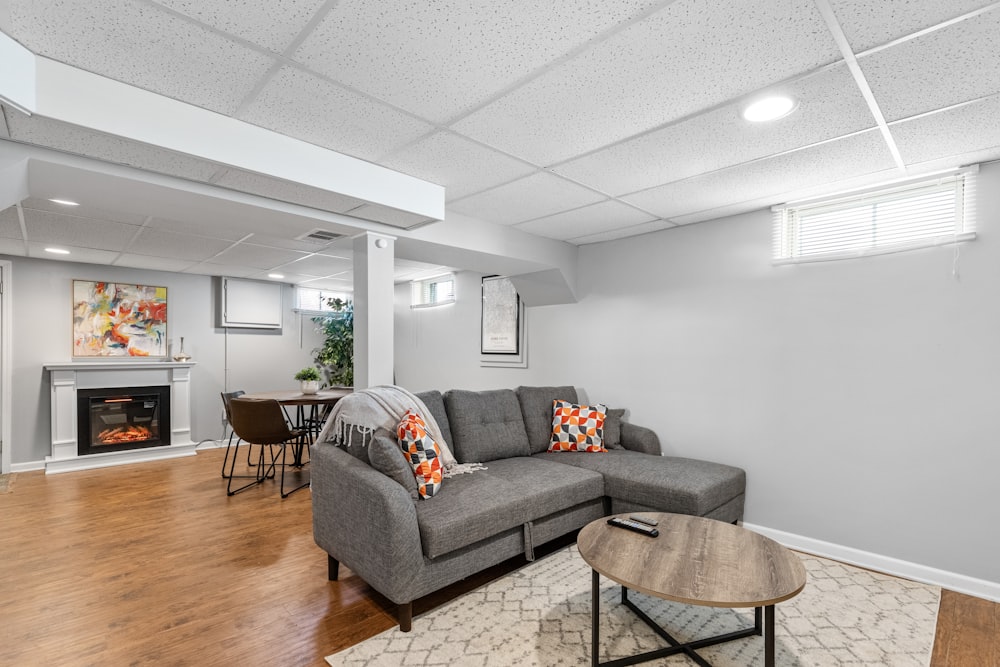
<point x="6" y="357"/>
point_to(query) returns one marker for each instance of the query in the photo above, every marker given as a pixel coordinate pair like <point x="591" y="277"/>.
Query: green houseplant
<point x="336" y="356"/>
<point x="308" y="380"/>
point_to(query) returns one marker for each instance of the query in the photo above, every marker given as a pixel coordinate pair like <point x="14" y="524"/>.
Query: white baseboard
<point x="27" y="467"/>
<point x="981" y="588"/>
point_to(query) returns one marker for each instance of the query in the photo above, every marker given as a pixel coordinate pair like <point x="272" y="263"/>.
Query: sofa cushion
<point x="577" y="428"/>
<point x="666" y="483"/>
<point x="509" y="493"/>
<point x="385" y="455"/>
<point x="536" y="410"/>
<point x="485" y="425"/>
<point x="613" y="428"/>
<point x="435" y="405"/>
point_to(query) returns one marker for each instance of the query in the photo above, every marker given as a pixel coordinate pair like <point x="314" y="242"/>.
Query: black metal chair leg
<point x="258" y="478"/>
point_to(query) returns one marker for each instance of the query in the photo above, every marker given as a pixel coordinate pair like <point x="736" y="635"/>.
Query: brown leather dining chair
<point x="262" y="422"/>
<point x="226" y="398"/>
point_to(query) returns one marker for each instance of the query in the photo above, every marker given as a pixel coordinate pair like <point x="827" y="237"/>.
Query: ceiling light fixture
<point x="278" y="276"/>
<point x="64" y="202"/>
<point x="57" y="251"/>
<point x="769" y="108"/>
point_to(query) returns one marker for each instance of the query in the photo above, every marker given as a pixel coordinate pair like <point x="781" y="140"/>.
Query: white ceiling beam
<point x="74" y="96"/>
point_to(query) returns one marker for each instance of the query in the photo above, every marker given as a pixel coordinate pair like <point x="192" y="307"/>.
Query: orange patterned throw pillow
<point x="577" y="428"/>
<point x="422" y="453"/>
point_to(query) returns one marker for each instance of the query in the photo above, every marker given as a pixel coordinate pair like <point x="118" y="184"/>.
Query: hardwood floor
<point x="152" y="563"/>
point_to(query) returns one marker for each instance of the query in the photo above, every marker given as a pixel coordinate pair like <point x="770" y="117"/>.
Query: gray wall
<point x="42" y="324"/>
<point x="860" y="396"/>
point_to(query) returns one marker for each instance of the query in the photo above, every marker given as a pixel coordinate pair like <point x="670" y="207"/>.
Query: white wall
<point x="42" y="317"/>
<point x="860" y="396"/>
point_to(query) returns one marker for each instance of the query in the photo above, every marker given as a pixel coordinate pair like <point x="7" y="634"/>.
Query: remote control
<point x="628" y="524"/>
<point x="642" y="519"/>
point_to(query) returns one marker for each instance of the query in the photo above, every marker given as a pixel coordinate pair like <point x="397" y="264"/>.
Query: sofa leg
<point x="332" y="568"/>
<point x="405" y="617"/>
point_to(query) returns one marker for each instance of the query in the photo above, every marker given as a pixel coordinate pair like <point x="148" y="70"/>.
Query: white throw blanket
<point x="384" y="407"/>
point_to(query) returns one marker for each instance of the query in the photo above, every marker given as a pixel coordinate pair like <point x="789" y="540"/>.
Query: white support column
<point x="373" y="309"/>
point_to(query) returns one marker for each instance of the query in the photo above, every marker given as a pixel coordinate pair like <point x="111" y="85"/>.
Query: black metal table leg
<point x="595" y="622"/>
<point x="769" y="635"/>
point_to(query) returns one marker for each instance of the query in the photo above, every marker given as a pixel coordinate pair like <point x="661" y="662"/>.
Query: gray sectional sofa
<point x="366" y="513"/>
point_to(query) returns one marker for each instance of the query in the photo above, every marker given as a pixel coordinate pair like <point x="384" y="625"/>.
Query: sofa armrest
<point x="640" y="439"/>
<point x="365" y="520"/>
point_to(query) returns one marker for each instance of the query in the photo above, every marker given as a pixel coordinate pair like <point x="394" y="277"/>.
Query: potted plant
<point x="308" y="380"/>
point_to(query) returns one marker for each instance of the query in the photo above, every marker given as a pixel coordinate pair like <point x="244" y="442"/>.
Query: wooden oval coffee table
<point x="694" y="561"/>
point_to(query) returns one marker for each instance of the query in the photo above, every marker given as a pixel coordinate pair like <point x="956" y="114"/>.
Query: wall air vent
<point x="320" y="235"/>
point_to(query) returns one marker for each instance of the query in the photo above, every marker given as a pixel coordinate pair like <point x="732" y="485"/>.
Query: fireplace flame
<point x="119" y="434"/>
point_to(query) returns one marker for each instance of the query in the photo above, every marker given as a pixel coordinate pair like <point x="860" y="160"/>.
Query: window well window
<point x="915" y="214"/>
<point x="435" y="291"/>
<point x="312" y="300"/>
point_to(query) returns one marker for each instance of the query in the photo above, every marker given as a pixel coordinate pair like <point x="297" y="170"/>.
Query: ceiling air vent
<point x="320" y="235"/>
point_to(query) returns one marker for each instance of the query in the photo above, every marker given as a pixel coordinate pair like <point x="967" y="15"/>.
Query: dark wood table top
<point x="695" y="561"/>
<point x="292" y="397"/>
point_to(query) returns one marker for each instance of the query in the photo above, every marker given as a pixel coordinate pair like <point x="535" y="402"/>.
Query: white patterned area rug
<point x="540" y="616"/>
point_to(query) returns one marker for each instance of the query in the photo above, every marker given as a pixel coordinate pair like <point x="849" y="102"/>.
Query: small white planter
<point x="309" y="386"/>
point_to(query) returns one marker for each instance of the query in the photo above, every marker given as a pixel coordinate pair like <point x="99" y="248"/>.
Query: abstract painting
<point x="119" y="320"/>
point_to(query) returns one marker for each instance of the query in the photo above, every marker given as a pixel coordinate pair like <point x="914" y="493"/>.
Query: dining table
<point x="310" y="410"/>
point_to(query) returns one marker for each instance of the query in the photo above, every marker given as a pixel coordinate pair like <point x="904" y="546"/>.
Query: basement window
<point x="436" y="291"/>
<point x="920" y="213"/>
<point x="310" y="300"/>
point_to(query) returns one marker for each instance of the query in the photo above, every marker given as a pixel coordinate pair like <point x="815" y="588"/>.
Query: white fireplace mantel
<point x="67" y="377"/>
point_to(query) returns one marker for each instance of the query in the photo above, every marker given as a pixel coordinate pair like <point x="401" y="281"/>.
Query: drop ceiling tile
<point x="532" y="197"/>
<point x="255" y="256"/>
<point x="178" y="246"/>
<point x="460" y="165"/>
<point x="84" y="210"/>
<point x="669" y="66"/>
<point x="955" y="64"/>
<point x="624" y="232"/>
<point x="830" y="105"/>
<point x="286" y="277"/>
<point x="389" y="216"/>
<point x="312" y="109"/>
<point x="949" y="133"/>
<point x="825" y="164"/>
<point x="12" y="247"/>
<point x="84" y="255"/>
<point x="594" y="219"/>
<point x="319" y="265"/>
<point x="867" y="24"/>
<point x="296" y="193"/>
<point x="141" y="45"/>
<point x="152" y="263"/>
<point x="71" y="139"/>
<point x="46" y="227"/>
<point x="264" y="22"/>
<point x="214" y="229"/>
<point x="334" y="284"/>
<point x="10" y="224"/>
<point x="227" y="270"/>
<point x="287" y="243"/>
<point x="438" y="58"/>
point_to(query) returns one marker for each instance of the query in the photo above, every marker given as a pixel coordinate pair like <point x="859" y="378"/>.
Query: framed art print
<point x="501" y="317"/>
<point x="119" y="320"/>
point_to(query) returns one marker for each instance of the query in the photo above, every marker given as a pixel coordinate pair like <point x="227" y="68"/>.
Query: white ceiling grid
<point x="583" y="120"/>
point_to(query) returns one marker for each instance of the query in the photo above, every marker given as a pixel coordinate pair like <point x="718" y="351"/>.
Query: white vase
<point x="309" y="386"/>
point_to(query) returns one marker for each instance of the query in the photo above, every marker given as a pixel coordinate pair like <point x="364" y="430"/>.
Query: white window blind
<point x="312" y="300"/>
<point x="916" y="214"/>
<point x="435" y="291"/>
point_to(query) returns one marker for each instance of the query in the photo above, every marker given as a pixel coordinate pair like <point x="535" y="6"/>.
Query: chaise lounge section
<point x="366" y="512"/>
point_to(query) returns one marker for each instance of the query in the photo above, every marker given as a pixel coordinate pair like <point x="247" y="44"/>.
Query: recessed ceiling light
<point x="279" y="276"/>
<point x="769" y="108"/>
<point x="57" y="251"/>
<point x="64" y="202"/>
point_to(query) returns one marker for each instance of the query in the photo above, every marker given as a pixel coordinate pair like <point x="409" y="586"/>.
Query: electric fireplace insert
<point x="120" y="418"/>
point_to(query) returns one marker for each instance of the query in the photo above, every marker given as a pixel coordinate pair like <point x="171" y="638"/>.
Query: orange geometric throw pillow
<point x="422" y="453"/>
<point x="577" y="428"/>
